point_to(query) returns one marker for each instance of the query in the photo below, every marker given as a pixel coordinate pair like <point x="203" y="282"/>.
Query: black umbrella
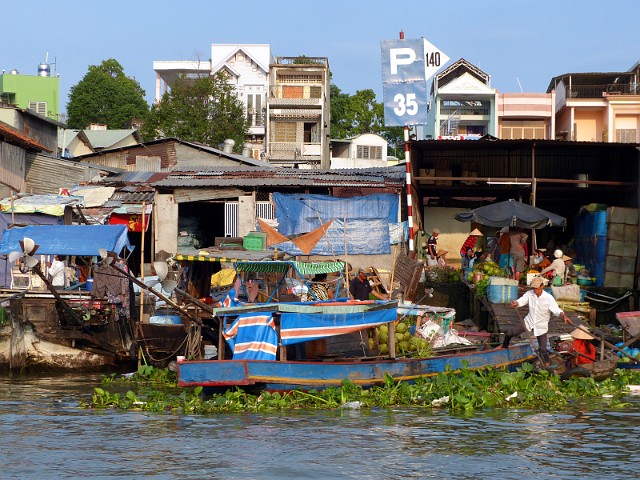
<point x="512" y="214"/>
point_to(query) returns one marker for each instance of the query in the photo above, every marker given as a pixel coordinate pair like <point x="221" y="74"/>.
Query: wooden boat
<point x="301" y="325"/>
<point x="598" y="370"/>
<point x="45" y="329"/>
<point x="305" y="375"/>
<point x="563" y="355"/>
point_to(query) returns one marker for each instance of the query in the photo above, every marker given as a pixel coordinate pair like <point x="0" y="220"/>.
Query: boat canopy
<point x="84" y="240"/>
<point x="283" y="266"/>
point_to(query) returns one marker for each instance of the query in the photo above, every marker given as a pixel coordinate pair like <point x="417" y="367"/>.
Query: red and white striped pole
<point x="407" y="157"/>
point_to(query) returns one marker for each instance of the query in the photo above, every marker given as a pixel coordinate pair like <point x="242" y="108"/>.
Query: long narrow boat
<point x="256" y="364"/>
<point x="306" y="375"/>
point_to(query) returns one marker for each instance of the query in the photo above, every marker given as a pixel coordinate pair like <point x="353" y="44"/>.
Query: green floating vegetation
<point x="156" y="390"/>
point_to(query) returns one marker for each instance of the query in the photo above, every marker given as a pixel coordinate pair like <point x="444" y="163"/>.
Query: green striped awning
<point x="305" y="268"/>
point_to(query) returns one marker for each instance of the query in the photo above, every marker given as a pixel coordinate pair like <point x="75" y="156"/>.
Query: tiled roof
<point x="17" y="136"/>
<point x="108" y="138"/>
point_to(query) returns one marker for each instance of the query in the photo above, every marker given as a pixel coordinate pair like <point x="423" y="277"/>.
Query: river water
<point x="45" y="435"/>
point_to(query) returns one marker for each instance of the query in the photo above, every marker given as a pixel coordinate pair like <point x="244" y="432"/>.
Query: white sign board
<point x="405" y="104"/>
<point x="406" y="67"/>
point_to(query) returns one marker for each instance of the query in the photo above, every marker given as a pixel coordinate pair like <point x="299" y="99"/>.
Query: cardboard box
<point x="444" y="173"/>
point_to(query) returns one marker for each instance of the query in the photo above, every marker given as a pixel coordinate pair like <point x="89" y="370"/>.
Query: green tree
<point x="204" y="110"/>
<point x="105" y="95"/>
<point x="353" y="115"/>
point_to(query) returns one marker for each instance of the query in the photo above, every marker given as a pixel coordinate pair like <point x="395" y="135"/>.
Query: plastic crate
<point x="502" y="290"/>
<point x="255" y="241"/>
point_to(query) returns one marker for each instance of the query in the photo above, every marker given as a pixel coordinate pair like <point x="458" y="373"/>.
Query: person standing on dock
<point x="541" y="306"/>
<point x="432" y="248"/>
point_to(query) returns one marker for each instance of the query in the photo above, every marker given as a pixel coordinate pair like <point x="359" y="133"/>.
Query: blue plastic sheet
<point x="84" y="240"/>
<point x="360" y="225"/>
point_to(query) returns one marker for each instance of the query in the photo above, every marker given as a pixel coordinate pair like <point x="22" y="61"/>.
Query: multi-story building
<point x="298" y="112"/>
<point x="247" y="67"/>
<point x="464" y="106"/>
<point x="525" y="116"/>
<point x="39" y="93"/>
<point x="462" y="103"/>
<point x="598" y="107"/>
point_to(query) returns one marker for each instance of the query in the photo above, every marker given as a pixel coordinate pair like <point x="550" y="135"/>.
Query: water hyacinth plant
<point x="465" y="390"/>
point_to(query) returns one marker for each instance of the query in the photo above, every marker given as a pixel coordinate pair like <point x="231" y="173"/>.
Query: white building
<point x="248" y="70"/>
<point x="363" y="151"/>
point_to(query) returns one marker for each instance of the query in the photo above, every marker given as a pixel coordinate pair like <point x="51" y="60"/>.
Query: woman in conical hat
<point x="584" y="350"/>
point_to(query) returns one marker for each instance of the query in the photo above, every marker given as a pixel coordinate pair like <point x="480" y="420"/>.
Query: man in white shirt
<point x="541" y="306"/>
<point x="56" y="273"/>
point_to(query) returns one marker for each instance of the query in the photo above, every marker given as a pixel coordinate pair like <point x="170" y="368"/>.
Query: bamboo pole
<point x="142" y="265"/>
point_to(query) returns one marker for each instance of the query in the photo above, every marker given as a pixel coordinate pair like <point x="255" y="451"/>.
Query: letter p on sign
<point x="400" y="56"/>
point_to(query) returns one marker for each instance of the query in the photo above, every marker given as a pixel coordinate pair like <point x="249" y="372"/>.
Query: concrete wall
<point x="165" y="217"/>
<point x="246" y="215"/>
<point x="452" y="232"/>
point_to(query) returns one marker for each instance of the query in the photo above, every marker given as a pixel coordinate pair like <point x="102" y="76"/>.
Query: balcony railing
<point x="463" y="110"/>
<point x="255" y="119"/>
<point x="599" y="91"/>
<point x="302" y="60"/>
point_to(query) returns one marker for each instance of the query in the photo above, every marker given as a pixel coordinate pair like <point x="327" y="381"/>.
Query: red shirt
<point x="586" y="348"/>
<point x="469" y="243"/>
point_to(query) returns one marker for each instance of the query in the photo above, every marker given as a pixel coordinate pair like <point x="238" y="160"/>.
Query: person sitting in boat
<point x="583" y="348"/>
<point x="320" y="288"/>
<point x="360" y="288"/>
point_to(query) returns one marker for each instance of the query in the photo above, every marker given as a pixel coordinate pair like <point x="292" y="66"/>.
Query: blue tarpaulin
<point x="360" y="224"/>
<point x="84" y="240"/>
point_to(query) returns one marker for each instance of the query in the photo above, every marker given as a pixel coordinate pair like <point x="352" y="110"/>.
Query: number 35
<point x="406" y="104"/>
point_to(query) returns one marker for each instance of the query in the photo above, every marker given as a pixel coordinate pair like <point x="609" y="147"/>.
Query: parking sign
<point x="406" y="67"/>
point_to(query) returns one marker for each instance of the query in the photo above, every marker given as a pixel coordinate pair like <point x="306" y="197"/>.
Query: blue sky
<point x="511" y="40"/>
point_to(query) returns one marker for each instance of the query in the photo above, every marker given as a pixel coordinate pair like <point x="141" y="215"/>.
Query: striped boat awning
<point x="277" y="266"/>
<point x="267" y="266"/>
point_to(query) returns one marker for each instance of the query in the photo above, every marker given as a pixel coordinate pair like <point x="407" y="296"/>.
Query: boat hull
<point x="35" y="338"/>
<point x="306" y="375"/>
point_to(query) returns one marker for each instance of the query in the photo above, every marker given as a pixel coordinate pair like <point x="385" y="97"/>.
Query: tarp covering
<point x="47" y="204"/>
<point x="302" y="327"/>
<point x="252" y="336"/>
<point x="360" y="224"/>
<point x="68" y="239"/>
<point x="511" y="213"/>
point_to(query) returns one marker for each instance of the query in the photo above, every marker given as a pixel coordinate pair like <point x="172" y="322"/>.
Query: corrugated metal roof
<point x="132" y="197"/>
<point x="136" y="177"/>
<point x="208" y="177"/>
<point x="107" y="138"/>
<point x="204" y="148"/>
